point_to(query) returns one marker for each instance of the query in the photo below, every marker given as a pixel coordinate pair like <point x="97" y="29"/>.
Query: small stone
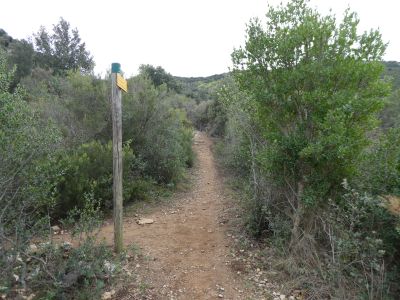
<point x="33" y="248"/>
<point x="109" y="266"/>
<point x="144" y="221"/>
<point x="16" y="277"/>
<point x="291" y="298"/>
<point x="107" y="295"/>
<point x="220" y="296"/>
<point x="55" y="228"/>
<point x="282" y="297"/>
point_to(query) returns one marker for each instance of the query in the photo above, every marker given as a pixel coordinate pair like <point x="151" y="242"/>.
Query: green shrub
<point x="308" y="92"/>
<point x="79" y="270"/>
<point x="379" y="171"/>
<point x="314" y="102"/>
<point x="168" y="149"/>
<point x="25" y="189"/>
<point x="76" y="103"/>
<point x="88" y="169"/>
<point x="363" y="243"/>
<point x="160" y="134"/>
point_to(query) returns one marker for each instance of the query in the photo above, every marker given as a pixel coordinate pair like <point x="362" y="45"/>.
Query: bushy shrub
<point x="88" y="169"/>
<point x="167" y="161"/>
<point x="210" y="116"/>
<point x="363" y="243"/>
<point x="47" y="270"/>
<point x="379" y="172"/>
<point x="299" y="121"/>
<point x="25" y="191"/>
<point x="76" y="103"/>
<point x="314" y="102"/>
<point x="161" y="135"/>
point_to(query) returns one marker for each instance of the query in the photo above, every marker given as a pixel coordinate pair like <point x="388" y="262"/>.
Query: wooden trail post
<point x="117" y="83"/>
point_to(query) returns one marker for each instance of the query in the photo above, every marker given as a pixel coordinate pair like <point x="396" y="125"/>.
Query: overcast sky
<point x="185" y="37"/>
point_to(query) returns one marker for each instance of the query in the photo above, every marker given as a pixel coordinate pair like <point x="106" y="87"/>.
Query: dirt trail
<point x="187" y="243"/>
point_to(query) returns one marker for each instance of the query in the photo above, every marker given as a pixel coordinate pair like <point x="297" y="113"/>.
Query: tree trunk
<point x="297" y="216"/>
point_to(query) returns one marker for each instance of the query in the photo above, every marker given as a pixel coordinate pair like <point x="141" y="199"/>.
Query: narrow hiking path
<point x="186" y="246"/>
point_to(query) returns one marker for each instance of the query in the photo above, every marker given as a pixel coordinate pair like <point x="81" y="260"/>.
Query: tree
<point x="315" y="88"/>
<point x="63" y="50"/>
<point x="159" y="76"/>
<point x="5" y="39"/>
<point x="21" y="55"/>
<point x="26" y="143"/>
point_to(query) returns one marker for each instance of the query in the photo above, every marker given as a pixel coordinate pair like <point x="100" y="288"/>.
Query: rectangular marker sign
<point x="122" y="83"/>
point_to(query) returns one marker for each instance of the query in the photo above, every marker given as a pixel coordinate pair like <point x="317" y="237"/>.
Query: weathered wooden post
<point x="117" y="83"/>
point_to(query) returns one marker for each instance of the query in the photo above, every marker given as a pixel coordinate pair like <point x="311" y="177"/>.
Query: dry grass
<point x="392" y="203"/>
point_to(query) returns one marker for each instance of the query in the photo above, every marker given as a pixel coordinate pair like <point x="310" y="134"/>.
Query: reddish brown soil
<point x="185" y="253"/>
<point x="186" y="243"/>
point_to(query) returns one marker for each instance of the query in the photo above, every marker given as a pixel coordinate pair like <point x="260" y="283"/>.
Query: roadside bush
<point x="210" y="116"/>
<point x="48" y="270"/>
<point x="166" y="161"/>
<point x="299" y="121"/>
<point x="363" y="244"/>
<point x="29" y="174"/>
<point x="160" y="134"/>
<point x="88" y="169"/>
<point x="76" y="103"/>
<point x="25" y="191"/>
<point x="313" y="112"/>
<point x="379" y="171"/>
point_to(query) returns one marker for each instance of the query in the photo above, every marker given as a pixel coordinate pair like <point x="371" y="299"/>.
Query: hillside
<point x="392" y="69"/>
<point x="201" y="88"/>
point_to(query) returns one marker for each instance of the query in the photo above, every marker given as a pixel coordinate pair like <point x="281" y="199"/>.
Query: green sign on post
<point x="115" y="68"/>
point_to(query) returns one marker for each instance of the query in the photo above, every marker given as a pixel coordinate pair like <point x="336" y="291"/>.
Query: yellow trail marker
<point x="122" y="83"/>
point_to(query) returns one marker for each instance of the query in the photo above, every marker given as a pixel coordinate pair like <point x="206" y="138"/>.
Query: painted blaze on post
<point x="122" y="83"/>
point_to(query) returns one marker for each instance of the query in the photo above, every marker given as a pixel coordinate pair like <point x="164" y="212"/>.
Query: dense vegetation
<point x="311" y="119"/>
<point x="56" y="158"/>
<point x="308" y="121"/>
